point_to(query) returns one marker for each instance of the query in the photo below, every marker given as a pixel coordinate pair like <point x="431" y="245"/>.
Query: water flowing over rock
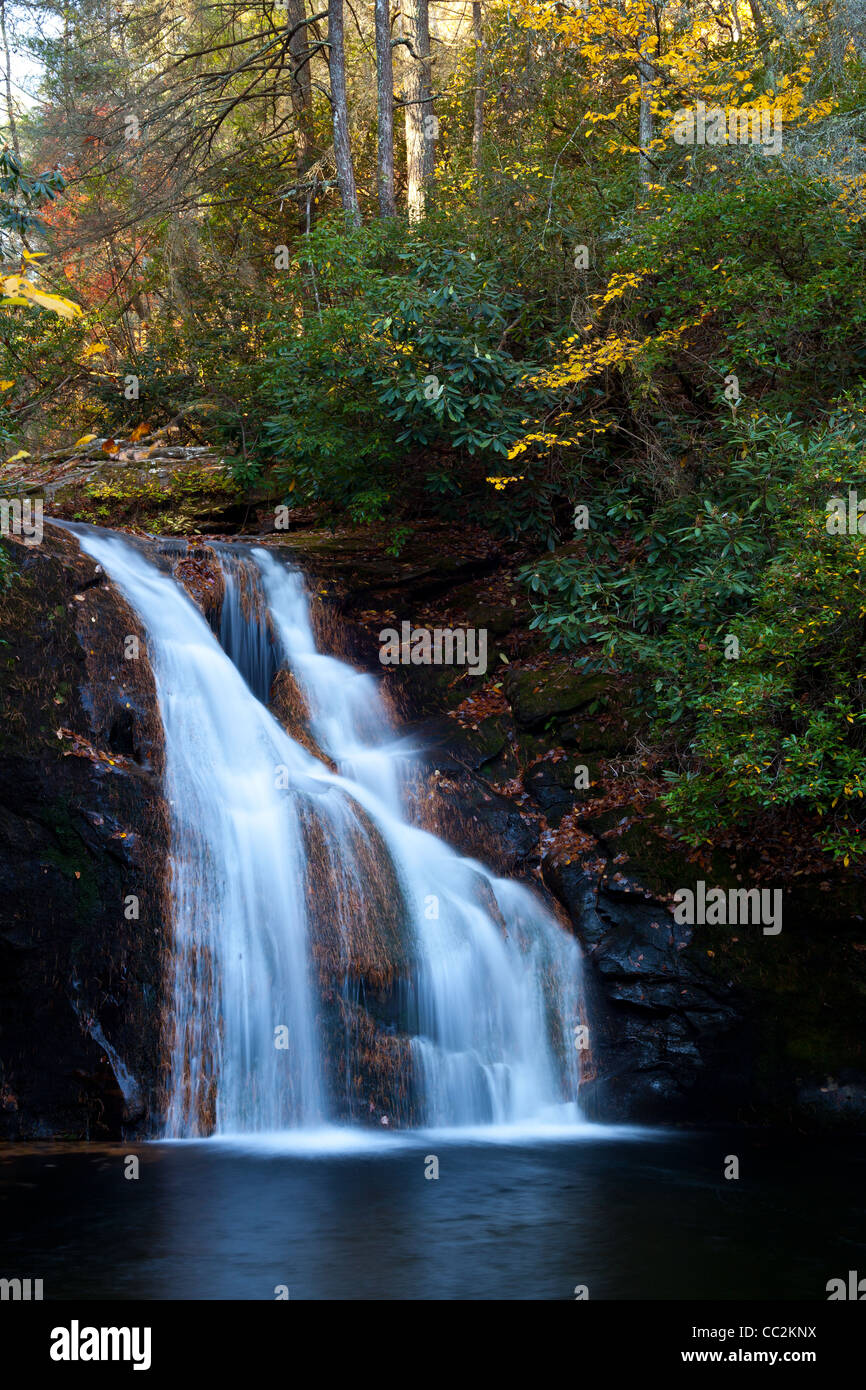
<point x="330" y="959"/>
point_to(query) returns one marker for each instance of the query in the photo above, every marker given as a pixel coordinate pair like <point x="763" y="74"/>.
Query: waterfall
<point x="331" y="959"/>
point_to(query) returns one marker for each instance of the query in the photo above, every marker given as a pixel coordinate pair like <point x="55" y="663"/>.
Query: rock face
<point x="667" y="1037"/>
<point x="82" y="821"/>
<point x="359" y="952"/>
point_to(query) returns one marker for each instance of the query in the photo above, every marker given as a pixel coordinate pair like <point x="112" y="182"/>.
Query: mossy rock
<point x="537" y="696"/>
<point x="532" y="748"/>
<point x="496" y="619"/>
<point x="654" y="860"/>
<point x="588" y="736"/>
<point x="503" y="767"/>
<point x="428" y="690"/>
<point x="487" y="740"/>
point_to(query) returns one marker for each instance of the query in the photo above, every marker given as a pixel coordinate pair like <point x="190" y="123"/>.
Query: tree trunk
<point x="645" y="112"/>
<point x="301" y="89"/>
<point x="845" y="25"/>
<point x="420" y="121"/>
<point x="430" y="123"/>
<point x="757" y="19"/>
<point x="385" y="109"/>
<point x="10" y="109"/>
<point x="340" y="111"/>
<point x="478" y="116"/>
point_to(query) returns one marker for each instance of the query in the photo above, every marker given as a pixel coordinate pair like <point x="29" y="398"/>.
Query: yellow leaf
<point x="6" y="385"/>
<point x="85" y="439"/>
<point x="22" y="454"/>
<point x="33" y="255"/>
<point x="64" y="308"/>
<point x="95" y="349"/>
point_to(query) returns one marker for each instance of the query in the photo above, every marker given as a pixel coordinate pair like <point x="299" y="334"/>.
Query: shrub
<point x="747" y="557"/>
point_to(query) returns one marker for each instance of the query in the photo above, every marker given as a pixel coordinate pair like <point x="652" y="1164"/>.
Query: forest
<point x="587" y="276"/>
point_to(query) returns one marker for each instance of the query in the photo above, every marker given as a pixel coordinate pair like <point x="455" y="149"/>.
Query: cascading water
<point x="487" y="982"/>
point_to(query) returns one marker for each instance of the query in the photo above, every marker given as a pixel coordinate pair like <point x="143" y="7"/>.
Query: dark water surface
<point x="630" y="1214"/>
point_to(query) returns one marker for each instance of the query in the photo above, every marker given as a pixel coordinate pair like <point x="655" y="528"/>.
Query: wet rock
<point x="370" y="1068"/>
<point x="83" y="913"/>
<point x="450" y="747"/>
<point x="288" y="705"/>
<point x="577" y="891"/>
<point x="835" y="1100"/>
<point x="476" y="820"/>
<point x="551" y="784"/>
<point x="200" y="574"/>
<point x="357" y="921"/>
<point x="359" y="942"/>
<point x="502" y="826"/>
<point x="660" y="1021"/>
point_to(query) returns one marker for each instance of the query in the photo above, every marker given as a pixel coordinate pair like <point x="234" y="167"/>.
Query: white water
<point x="490" y="995"/>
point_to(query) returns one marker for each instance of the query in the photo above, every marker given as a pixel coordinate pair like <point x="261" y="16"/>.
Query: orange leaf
<point x="139" y="433"/>
<point x="110" y="446"/>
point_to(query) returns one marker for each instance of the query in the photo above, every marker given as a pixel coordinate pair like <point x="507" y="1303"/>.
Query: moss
<point x="495" y="619"/>
<point x="589" y="736"/>
<point x="487" y="739"/>
<point x="537" y="696"/>
<point x="660" y="863"/>
<point x="70" y="856"/>
<point x="173" y="504"/>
